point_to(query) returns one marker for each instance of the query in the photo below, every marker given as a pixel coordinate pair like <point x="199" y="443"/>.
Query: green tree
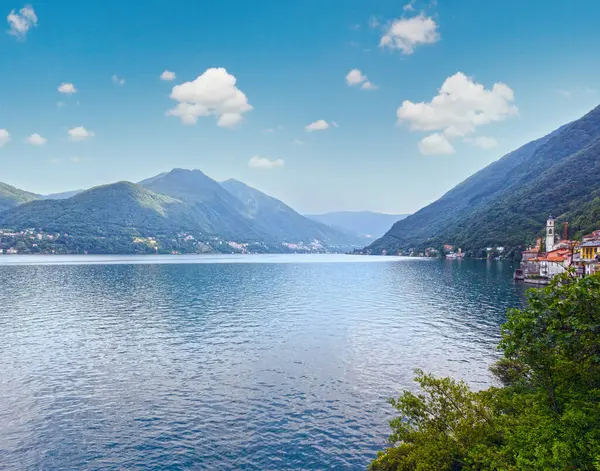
<point x="546" y="416"/>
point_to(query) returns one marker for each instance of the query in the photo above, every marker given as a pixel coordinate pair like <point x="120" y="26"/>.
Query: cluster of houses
<point x="28" y="239"/>
<point x="540" y="264"/>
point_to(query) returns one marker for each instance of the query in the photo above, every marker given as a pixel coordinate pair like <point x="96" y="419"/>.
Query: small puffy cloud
<point x="214" y="93"/>
<point x="20" y="23"/>
<point x="355" y="77"/>
<point x="67" y="88"/>
<point x="320" y="125"/>
<point x="435" y="144"/>
<point x="167" y="75"/>
<point x="36" y="140"/>
<point x="117" y="80"/>
<point x="298" y="142"/>
<point x="334" y="124"/>
<point x="264" y="163"/>
<point x="460" y="106"/>
<point x="4" y="137"/>
<point x="410" y="6"/>
<point x="405" y="34"/>
<point x="483" y="142"/>
<point x="60" y="104"/>
<point x="80" y="134"/>
<point x="368" y="86"/>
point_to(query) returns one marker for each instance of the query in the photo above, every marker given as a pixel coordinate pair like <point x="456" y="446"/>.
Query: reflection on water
<point x="274" y="363"/>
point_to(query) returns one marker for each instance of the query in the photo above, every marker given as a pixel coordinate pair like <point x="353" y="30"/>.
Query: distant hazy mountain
<point x="282" y="222"/>
<point x="366" y="224"/>
<point x="60" y="196"/>
<point x="507" y="203"/>
<point x="11" y="196"/>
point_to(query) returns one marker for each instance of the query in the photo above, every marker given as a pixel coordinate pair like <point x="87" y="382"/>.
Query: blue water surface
<point x="230" y="362"/>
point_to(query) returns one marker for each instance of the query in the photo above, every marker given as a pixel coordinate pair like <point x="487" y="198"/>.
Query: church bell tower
<point x="550" y="234"/>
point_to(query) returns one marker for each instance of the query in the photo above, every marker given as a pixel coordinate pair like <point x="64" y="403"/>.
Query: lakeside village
<point x="540" y="263"/>
<point x="539" y="266"/>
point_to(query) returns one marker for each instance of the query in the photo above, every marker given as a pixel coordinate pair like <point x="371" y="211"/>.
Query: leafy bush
<point x="546" y="416"/>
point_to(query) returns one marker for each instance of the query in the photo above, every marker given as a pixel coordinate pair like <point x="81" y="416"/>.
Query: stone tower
<point x="550" y="234"/>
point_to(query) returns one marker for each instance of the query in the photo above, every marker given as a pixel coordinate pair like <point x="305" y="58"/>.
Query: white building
<point x="550" y="234"/>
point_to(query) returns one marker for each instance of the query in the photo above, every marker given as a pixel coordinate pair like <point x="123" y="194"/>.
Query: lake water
<point x="230" y="362"/>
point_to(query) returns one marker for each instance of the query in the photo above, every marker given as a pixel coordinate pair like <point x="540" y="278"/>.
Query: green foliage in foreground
<point x="545" y="417"/>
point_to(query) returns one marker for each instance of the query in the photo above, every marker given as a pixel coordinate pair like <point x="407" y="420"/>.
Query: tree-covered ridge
<point x="508" y="202"/>
<point x="181" y="211"/>
<point x="546" y="416"/>
<point x="11" y="196"/>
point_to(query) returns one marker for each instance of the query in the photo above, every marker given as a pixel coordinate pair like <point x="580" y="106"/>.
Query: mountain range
<point x="181" y="210"/>
<point x="366" y="224"/>
<point x="508" y="202"/>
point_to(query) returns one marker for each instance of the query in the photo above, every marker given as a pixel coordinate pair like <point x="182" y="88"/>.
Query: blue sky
<point x="290" y="62"/>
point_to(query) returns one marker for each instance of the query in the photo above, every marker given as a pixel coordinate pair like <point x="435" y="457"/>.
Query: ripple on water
<point x="258" y="366"/>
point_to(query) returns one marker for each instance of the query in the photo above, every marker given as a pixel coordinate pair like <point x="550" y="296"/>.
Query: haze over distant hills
<point x="508" y="202"/>
<point x="365" y="224"/>
<point x="181" y="210"/>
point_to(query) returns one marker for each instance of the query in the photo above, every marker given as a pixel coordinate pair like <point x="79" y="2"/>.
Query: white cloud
<point x="319" y="125"/>
<point x="298" y="142"/>
<point x="212" y="93"/>
<point x="435" y="144"/>
<point x="67" y="88"/>
<point x="264" y="163"/>
<point x="334" y="124"/>
<point x="75" y="160"/>
<point x="36" y="140"/>
<point x="21" y="22"/>
<point x="4" y="137"/>
<point x="355" y="77"/>
<point x="566" y="93"/>
<point x="589" y="90"/>
<point x="117" y="80"/>
<point x="368" y="86"/>
<point x="460" y="107"/>
<point x="80" y="133"/>
<point x="167" y="75"/>
<point x="60" y="104"/>
<point x="410" y="6"/>
<point x="407" y="33"/>
<point x="483" y="142"/>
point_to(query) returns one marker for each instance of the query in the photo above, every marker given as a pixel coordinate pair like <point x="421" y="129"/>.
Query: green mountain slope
<point x="365" y="224"/>
<point x="11" y="197"/>
<point x="118" y="209"/>
<point x="215" y="210"/>
<point x="279" y="221"/>
<point x="508" y="202"/>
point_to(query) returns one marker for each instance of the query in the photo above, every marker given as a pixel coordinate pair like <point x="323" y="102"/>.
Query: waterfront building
<point x="590" y="250"/>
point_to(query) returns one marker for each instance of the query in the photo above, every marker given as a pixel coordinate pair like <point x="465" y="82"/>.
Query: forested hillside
<point x="508" y="202"/>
